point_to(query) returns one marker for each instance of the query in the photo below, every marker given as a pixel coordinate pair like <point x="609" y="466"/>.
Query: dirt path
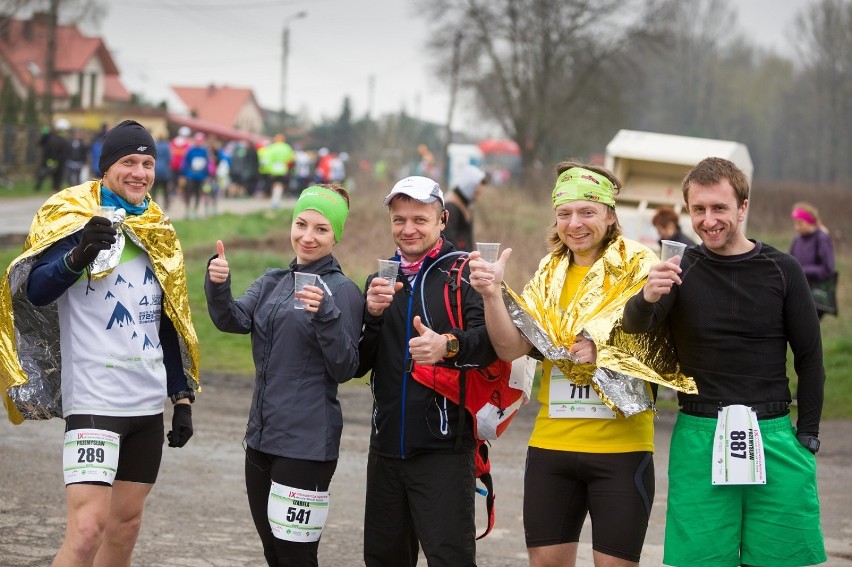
<point x="198" y="516"/>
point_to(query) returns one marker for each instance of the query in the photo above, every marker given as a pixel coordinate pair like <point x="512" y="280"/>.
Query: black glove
<point x="98" y="235"/>
<point x="181" y="425"/>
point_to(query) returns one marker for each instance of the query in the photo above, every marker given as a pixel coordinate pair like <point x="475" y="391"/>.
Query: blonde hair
<point x="337" y="188"/>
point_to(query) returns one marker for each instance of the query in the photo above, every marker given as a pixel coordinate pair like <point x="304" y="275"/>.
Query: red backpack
<point x="485" y="392"/>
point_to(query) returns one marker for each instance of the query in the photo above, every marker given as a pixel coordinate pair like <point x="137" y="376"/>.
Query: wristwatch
<point x="183" y="394"/>
<point x="452" y="345"/>
<point x="809" y="442"/>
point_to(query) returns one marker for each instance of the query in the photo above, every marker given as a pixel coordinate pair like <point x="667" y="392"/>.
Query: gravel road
<point x="197" y="515"/>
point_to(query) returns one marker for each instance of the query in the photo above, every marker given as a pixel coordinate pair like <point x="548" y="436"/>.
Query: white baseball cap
<point x="420" y="188"/>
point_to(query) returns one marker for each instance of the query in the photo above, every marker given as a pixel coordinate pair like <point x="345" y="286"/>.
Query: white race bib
<point x="738" y="447"/>
<point x="90" y="455"/>
<point x="569" y="400"/>
<point x="296" y="514"/>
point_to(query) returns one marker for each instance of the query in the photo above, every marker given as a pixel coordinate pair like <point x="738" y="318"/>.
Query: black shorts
<point x="140" y="446"/>
<point x="615" y="489"/>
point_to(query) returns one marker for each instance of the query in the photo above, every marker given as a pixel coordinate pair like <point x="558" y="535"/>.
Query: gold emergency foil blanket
<point x="30" y="358"/>
<point x="623" y="361"/>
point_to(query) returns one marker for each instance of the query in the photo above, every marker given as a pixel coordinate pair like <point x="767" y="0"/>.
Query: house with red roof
<point x="86" y="77"/>
<point x="227" y="107"/>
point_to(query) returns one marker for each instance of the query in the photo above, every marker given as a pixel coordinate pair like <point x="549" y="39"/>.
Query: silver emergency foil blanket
<point x="625" y="393"/>
<point x="40" y="398"/>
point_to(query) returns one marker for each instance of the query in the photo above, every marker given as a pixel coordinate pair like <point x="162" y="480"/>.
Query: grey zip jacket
<point x="299" y="359"/>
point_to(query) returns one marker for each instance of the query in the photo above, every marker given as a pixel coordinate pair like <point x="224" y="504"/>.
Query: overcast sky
<point x="337" y="49"/>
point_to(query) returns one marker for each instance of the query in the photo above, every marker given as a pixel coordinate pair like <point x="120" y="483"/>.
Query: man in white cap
<point x="420" y="469"/>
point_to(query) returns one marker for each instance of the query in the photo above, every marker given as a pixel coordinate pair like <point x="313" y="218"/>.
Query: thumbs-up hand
<point x="218" y="269"/>
<point x="429" y="347"/>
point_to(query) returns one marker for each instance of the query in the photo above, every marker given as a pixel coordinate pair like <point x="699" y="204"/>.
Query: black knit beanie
<point x="124" y="139"/>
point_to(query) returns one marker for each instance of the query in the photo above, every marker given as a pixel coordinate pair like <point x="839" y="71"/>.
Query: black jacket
<point x="409" y="418"/>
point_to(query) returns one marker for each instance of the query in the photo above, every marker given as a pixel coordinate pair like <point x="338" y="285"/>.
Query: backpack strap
<point x="462" y="407"/>
<point x="453" y="303"/>
<point x="452" y="292"/>
<point x="487" y="481"/>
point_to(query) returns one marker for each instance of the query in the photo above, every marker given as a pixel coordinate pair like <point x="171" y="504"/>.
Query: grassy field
<point x="261" y="240"/>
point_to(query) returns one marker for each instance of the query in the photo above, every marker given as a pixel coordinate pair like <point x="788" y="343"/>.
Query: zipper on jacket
<point x="405" y="365"/>
<point x="267" y="350"/>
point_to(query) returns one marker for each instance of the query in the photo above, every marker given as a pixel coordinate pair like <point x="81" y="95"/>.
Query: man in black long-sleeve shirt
<point x="733" y="305"/>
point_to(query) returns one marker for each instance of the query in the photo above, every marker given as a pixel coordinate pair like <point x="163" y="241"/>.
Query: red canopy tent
<point x="499" y="146"/>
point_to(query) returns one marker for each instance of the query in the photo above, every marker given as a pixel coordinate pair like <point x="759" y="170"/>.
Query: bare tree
<point x="541" y="68"/>
<point x="679" y="88"/>
<point x="825" y="50"/>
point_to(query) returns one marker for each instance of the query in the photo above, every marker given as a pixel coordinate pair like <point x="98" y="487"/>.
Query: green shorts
<point x="774" y="524"/>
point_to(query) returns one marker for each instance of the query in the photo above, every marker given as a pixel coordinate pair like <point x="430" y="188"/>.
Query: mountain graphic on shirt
<point x="149" y="277"/>
<point x="109" y="295"/>
<point x="148" y="343"/>
<point x="135" y="335"/>
<point x="119" y="280"/>
<point x="120" y="316"/>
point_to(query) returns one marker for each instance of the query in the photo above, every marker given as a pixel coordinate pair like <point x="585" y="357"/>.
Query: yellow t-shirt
<point x="584" y="435"/>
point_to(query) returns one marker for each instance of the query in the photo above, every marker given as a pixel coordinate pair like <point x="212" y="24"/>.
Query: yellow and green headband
<point x="328" y="203"/>
<point x="580" y="184"/>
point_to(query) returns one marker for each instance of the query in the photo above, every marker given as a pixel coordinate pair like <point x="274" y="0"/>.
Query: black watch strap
<point x="183" y="394"/>
<point x="809" y="442"/>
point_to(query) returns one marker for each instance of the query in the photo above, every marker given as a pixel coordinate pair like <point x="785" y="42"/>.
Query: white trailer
<point x="459" y="156"/>
<point x="652" y="166"/>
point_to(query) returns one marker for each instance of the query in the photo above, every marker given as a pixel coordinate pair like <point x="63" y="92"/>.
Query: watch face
<point x="452" y="345"/>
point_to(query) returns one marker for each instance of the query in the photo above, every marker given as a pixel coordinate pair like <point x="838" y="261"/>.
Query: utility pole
<point x="285" y="54"/>
<point x="371" y="94"/>
<point x="50" y="61"/>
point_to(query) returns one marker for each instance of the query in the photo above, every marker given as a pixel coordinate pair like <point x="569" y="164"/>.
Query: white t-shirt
<point x="112" y="359"/>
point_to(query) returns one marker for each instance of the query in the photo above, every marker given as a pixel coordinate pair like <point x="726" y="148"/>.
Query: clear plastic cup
<point x="301" y="280"/>
<point x="105" y="212"/>
<point x="488" y="251"/>
<point x="388" y="269"/>
<point x="671" y="249"/>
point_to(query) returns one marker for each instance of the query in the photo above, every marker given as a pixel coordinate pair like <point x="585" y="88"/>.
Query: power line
<point x="230" y="6"/>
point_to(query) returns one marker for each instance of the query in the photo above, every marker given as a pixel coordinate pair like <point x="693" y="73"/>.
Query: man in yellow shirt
<point x="279" y="157"/>
<point x="591" y="451"/>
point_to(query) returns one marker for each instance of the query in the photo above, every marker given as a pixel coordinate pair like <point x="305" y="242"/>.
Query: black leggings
<point x="261" y="470"/>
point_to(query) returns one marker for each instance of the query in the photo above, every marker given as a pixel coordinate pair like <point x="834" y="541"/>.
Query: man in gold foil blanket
<point x="99" y="305"/>
<point x="586" y="455"/>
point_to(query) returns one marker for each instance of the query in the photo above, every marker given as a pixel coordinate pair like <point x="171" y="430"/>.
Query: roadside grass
<point x="16" y="187"/>
<point x="518" y="219"/>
